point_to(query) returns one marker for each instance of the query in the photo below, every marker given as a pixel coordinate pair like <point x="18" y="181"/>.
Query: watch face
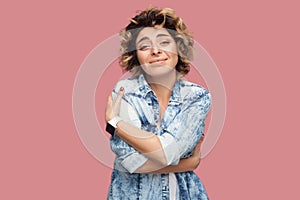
<point x="110" y="129"/>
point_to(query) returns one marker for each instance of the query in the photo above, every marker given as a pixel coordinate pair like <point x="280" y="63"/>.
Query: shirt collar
<point x="145" y="89"/>
<point x="175" y="96"/>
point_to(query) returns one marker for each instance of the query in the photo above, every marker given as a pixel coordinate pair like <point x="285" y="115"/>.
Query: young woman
<point x="156" y="119"/>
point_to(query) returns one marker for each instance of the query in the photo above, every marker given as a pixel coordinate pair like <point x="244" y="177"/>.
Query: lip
<point x="158" y="61"/>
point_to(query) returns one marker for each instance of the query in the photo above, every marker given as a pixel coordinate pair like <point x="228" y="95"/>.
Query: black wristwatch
<point x="111" y="125"/>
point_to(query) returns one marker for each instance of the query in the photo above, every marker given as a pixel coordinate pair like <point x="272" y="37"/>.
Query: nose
<point x="155" y="50"/>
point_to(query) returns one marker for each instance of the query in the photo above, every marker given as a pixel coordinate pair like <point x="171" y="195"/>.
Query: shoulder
<point x="193" y="92"/>
<point x="196" y="97"/>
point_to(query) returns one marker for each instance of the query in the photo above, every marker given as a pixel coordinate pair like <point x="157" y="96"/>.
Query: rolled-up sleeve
<point x="182" y="135"/>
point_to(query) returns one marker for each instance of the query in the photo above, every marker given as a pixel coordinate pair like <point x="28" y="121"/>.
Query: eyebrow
<point x="142" y="39"/>
<point x="147" y="38"/>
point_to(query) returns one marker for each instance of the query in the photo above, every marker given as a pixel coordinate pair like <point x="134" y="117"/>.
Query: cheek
<point x="175" y="54"/>
<point x="142" y="57"/>
<point x="170" y="50"/>
<point x="174" y="58"/>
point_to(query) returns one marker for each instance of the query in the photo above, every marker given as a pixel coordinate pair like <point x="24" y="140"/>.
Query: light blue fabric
<point x="179" y="131"/>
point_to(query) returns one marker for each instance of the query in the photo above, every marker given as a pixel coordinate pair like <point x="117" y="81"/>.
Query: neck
<point x="162" y="86"/>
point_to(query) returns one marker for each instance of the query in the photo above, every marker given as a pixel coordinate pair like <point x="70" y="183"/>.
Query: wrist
<point x="114" y="121"/>
<point x="111" y="125"/>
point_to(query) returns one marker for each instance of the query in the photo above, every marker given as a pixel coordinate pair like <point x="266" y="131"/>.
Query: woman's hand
<point x="113" y="107"/>
<point x="196" y="156"/>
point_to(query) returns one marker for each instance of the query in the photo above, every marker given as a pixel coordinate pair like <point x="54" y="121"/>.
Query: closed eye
<point x="164" y="43"/>
<point x="144" y="47"/>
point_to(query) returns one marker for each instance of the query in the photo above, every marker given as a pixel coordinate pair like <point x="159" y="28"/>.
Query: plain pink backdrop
<point x="255" y="45"/>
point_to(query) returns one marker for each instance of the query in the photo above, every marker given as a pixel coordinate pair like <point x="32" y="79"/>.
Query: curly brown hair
<point x="152" y="17"/>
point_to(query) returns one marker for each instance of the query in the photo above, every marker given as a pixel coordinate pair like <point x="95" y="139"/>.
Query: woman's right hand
<point x="113" y="107"/>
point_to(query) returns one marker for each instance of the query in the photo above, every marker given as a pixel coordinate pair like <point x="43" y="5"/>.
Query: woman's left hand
<point x="196" y="156"/>
<point x="113" y="107"/>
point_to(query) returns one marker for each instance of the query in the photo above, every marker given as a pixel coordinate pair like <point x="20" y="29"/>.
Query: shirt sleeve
<point x="182" y="135"/>
<point x="126" y="156"/>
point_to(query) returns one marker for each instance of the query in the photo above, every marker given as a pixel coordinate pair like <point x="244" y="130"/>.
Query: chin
<point x="158" y="70"/>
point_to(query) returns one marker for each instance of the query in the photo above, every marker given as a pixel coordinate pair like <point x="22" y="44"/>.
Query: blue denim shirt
<point x="179" y="131"/>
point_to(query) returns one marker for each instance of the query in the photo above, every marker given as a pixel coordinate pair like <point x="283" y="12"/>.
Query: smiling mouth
<point x="158" y="61"/>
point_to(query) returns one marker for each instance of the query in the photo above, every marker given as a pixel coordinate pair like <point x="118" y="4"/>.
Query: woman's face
<point x="156" y="51"/>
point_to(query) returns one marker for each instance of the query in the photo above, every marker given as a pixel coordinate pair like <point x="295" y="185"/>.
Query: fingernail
<point x="121" y="89"/>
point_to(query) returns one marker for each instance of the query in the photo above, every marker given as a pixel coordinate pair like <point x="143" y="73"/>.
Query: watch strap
<point x="110" y="129"/>
<point x="114" y="121"/>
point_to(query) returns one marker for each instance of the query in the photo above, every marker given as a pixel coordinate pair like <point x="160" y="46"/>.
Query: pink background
<point x="255" y="45"/>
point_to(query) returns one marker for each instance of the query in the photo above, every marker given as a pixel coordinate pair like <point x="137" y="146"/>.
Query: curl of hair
<point x="152" y="17"/>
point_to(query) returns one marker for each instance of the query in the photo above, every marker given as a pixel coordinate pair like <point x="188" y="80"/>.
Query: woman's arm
<point x="185" y="164"/>
<point x="168" y="152"/>
<point x="144" y="142"/>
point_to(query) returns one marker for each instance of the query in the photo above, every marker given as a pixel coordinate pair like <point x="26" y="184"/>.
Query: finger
<point x="109" y="100"/>
<point x="197" y="147"/>
<point x="201" y="139"/>
<point x="119" y="96"/>
<point x="108" y="109"/>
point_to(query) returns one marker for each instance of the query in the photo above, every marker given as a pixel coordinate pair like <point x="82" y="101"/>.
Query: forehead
<point x="152" y="32"/>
